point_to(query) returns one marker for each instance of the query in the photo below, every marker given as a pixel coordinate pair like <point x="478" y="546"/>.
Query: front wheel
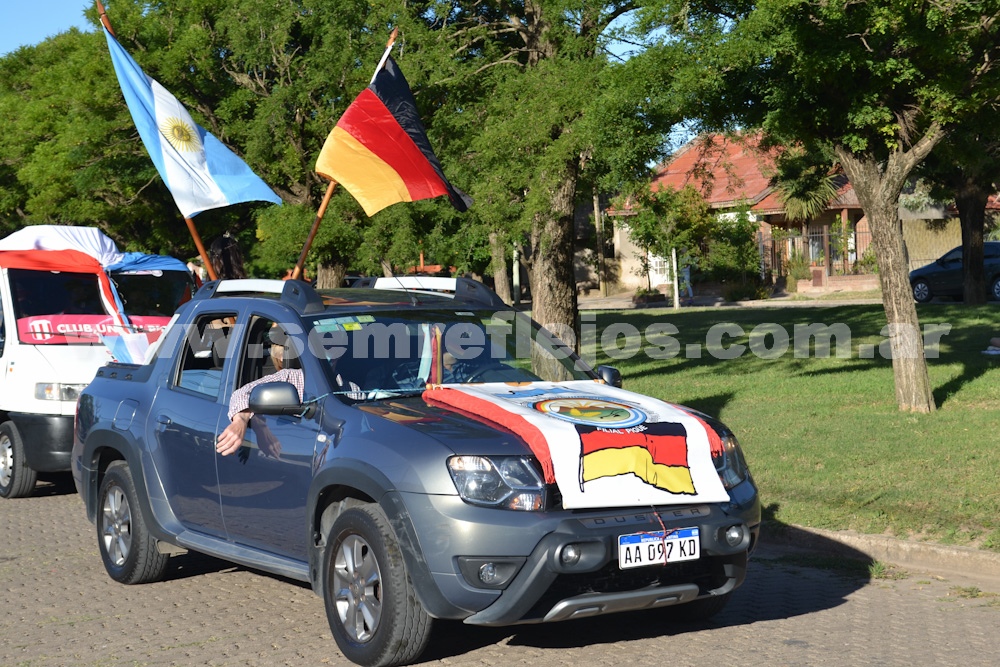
<point x="17" y="480"/>
<point x="372" y="609"/>
<point x="995" y="289"/>
<point x="128" y="550"/>
<point x="921" y="291"/>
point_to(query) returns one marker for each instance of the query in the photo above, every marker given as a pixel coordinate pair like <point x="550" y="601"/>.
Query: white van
<point x="65" y="292"/>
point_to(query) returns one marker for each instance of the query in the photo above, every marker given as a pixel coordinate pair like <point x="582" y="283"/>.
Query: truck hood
<point x="603" y="446"/>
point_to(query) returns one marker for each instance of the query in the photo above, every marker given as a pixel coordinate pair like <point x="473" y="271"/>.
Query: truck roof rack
<point x="462" y="289"/>
<point x="295" y="293"/>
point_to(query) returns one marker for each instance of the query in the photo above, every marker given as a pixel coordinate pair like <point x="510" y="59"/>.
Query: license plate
<point x="640" y="549"/>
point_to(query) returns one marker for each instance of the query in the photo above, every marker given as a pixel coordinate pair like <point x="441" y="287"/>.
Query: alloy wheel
<point x="116" y="525"/>
<point x="357" y="588"/>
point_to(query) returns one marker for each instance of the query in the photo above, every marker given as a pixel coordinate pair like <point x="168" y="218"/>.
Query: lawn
<point x="825" y="441"/>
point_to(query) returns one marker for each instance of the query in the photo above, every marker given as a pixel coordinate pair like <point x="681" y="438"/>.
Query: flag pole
<point x="190" y="223"/>
<point x="104" y="18"/>
<point x="201" y="249"/>
<point x="297" y="271"/>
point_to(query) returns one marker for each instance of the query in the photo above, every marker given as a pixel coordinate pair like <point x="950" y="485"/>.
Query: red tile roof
<point x="726" y="170"/>
<point x="731" y="170"/>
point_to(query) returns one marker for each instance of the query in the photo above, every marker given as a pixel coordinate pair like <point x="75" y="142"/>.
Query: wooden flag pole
<point x="201" y="250"/>
<point x="297" y="271"/>
<point x="104" y="17"/>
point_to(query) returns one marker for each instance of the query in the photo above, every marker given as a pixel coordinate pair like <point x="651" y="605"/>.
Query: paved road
<point x="60" y="609"/>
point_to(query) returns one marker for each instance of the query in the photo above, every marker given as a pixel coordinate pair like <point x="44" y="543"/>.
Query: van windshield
<point x="152" y="293"/>
<point x="57" y="307"/>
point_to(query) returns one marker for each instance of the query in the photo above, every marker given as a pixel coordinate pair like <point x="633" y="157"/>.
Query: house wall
<point x="926" y="240"/>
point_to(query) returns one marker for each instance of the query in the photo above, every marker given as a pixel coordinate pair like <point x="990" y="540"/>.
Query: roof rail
<point x="461" y="289"/>
<point x="295" y="293"/>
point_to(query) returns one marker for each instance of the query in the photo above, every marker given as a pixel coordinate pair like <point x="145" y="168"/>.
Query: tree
<point x="966" y="168"/>
<point x="877" y="84"/>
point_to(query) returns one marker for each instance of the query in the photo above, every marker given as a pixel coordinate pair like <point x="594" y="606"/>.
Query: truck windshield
<point x="397" y="351"/>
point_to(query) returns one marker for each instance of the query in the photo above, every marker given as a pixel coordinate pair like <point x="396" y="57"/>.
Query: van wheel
<point x="371" y="606"/>
<point x="127" y="549"/>
<point x="17" y="480"/>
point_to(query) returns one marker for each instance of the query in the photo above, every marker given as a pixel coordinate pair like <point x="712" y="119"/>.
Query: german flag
<point x="657" y="456"/>
<point x="379" y="149"/>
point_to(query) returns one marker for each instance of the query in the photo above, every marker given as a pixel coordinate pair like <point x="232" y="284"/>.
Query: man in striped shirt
<point x="231" y="438"/>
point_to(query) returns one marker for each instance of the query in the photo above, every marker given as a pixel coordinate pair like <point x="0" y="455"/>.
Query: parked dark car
<point x="943" y="276"/>
<point x="442" y="458"/>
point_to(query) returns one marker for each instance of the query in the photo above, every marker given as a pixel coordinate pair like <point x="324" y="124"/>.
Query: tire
<point x="17" y="480"/>
<point x="127" y="548"/>
<point x="371" y="606"/>
<point x="995" y="289"/>
<point x="922" y="291"/>
<point x="697" y="610"/>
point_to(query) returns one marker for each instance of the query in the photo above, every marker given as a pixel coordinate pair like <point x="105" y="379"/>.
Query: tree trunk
<point x="553" y="285"/>
<point x="878" y="191"/>
<point x="498" y="266"/>
<point x="971" y="200"/>
<point x="330" y="276"/>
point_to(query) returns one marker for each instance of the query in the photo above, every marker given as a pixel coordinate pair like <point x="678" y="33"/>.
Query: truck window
<point x="206" y="348"/>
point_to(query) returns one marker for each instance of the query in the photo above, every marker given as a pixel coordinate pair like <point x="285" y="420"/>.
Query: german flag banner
<point x="602" y="446"/>
<point x="379" y="149"/>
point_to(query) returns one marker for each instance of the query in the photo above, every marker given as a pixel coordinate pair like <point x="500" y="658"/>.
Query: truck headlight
<point x="507" y="482"/>
<point x="57" y="391"/>
<point x="729" y="463"/>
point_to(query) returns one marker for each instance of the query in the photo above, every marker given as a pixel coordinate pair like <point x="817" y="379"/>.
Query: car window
<point x="991" y="251"/>
<point x="952" y="256"/>
<point x="267" y="349"/>
<point x="205" y="351"/>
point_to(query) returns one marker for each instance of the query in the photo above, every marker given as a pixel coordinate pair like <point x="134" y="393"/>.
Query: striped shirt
<point x="240" y="400"/>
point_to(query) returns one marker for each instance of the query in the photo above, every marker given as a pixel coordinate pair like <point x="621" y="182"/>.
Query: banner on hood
<point x="602" y="446"/>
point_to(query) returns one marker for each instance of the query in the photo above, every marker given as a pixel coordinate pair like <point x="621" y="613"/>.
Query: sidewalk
<point x="978" y="567"/>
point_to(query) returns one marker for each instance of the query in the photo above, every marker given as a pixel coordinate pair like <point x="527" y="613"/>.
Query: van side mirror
<point x="610" y="375"/>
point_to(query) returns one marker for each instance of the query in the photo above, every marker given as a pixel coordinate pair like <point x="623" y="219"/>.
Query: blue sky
<point x="28" y="22"/>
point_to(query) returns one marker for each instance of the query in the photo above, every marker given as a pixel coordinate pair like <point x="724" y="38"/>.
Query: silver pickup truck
<point x="419" y="455"/>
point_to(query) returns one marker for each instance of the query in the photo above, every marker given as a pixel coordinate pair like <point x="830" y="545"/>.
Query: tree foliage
<point x="877" y="84"/>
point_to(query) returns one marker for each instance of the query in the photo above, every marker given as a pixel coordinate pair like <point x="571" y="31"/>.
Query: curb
<point x="936" y="558"/>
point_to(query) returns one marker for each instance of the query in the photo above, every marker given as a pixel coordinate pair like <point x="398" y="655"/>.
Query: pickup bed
<point x="441" y="459"/>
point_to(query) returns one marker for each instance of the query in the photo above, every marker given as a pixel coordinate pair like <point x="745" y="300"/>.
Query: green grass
<point x="825" y="440"/>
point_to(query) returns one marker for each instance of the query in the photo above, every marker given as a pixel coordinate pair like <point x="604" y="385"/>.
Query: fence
<point x="840" y="252"/>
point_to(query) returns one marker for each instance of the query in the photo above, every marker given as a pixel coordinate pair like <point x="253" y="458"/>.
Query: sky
<point x="29" y="22"/>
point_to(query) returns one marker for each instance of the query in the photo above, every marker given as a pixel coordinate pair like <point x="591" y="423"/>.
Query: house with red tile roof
<point x="735" y="171"/>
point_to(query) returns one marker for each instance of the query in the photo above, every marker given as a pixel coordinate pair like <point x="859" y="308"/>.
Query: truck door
<point x="185" y="423"/>
<point x="264" y="485"/>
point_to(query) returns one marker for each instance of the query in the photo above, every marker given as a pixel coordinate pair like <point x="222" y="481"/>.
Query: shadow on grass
<point x="780" y="584"/>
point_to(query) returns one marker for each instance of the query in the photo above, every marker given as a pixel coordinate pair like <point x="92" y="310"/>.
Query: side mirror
<point x="278" y="398"/>
<point x="610" y="375"/>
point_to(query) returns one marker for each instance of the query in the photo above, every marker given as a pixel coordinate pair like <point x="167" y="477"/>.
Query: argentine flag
<point x="200" y="171"/>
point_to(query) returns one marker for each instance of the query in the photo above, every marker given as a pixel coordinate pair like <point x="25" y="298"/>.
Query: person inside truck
<point x="239" y="413"/>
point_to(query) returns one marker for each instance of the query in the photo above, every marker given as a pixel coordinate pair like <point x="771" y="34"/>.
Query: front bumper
<point x="48" y="440"/>
<point x="446" y="530"/>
